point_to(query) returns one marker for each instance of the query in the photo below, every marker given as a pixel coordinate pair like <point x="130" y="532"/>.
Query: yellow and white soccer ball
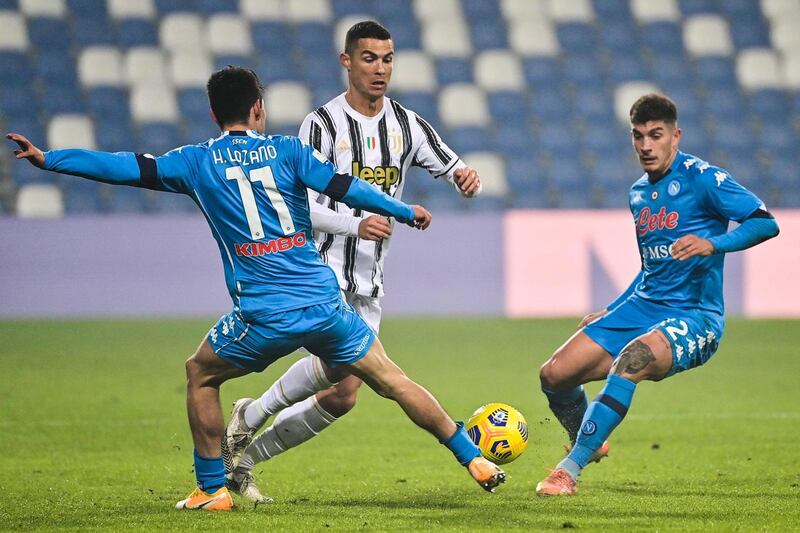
<point x="500" y="431"/>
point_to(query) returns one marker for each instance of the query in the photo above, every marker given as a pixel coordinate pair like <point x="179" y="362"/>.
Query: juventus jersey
<point x="378" y="150"/>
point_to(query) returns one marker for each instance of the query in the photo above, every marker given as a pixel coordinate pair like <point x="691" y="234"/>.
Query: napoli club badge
<point x="674" y="188"/>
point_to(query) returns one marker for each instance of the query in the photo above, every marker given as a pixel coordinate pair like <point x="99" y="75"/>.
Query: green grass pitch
<point x="93" y="436"/>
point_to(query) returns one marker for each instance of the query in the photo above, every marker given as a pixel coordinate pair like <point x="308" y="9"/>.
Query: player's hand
<point x="591" y="317"/>
<point x="468" y="181"/>
<point x="374" y="228"/>
<point x="26" y="150"/>
<point x="690" y="246"/>
<point x="422" y="218"/>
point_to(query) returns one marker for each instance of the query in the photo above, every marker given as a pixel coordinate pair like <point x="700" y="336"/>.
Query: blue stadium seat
<point x="749" y="32"/>
<point x="92" y="31"/>
<point x="55" y="98"/>
<point x="343" y="8"/>
<point x="480" y="10"/>
<point x="136" y="32"/>
<point x="114" y="135"/>
<point x="212" y="7"/>
<point x="732" y="137"/>
<point x="108" y="102"/>
<point x="272" y="37"/>
<point x="514" y="140"/>
<point x="193" y="103"/>
<point x="56" y="68"/>
<point x="488" y="34"/>
<point x="542" y="73"/>
<point x="770" y="104"/>
<point x="778" y="137"/>
<point x="322" y="94"/>
<point x="316" y="38"/>
<point x="620" y="36"/>
<point x="23" y="173"/>
<point x="577" y="37"/>
<point x="559" y="139"/>
<point x="601" y="138"/>
<point x="16" y="69"/>
<point x="740" y="8"/>
<point x="696" y="139"/>
<point x="223" y="61"/>
<point x="82" y="196"/>
<point x="469" y="139"/>
<point x="405" y="32"/>
<point x="724" y="102"/>
<point x="129" y="199"/>
<point x="572" y="181"/>
<point x="662" y="36"/>
<point x="686" y="99"/>
<point x="320" y="70"/>
<point x="275" y="67"/>
<point x="715" y="71"/>
<point x="745" y="170"/>
<point x="611" y="10"/>
<point x="453" y="70"/>
<point x="549" y="105"/>
<point x="26" y="123"/>
<point x="611" y="175"/>
<point x="593" y="105"/>
<point x="671" y="69"/>
<point x="48" y="33"/>
<point x="627" y="68"/>
<point x="87" y="8"/>
<point x="157" y="138"/>
<point x="198" y="130"/>
<point x="508" y="107"/>
<point x="584" y="69"/>
<point x="394" y="13"/>
<point x="170" y="6"/>
<point x="11" y="5"/>
<point x="698" y="7"/>
<point x="422" y="103"/>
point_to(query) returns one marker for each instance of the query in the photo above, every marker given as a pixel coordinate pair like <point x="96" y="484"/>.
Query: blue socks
<point x="604" y="414"/>
<point x="210" y="473"/>
<point x="569" y="408"/>
<point x="462" y="446"/>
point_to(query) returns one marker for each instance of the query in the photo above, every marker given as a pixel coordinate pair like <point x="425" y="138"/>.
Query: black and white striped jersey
<point x="378" y="150"/>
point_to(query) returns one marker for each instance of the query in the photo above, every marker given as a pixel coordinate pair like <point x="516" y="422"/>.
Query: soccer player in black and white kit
<point x="371" y="136"/>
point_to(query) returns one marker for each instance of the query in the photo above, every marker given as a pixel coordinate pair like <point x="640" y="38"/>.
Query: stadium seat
<point x="454" y="70"/>
<point x="70" y="131"/>
<point x="533" y="37"/>
<point x="262" y="10"/>
<point x="508" y="107"/>
<point x="228" y="34"/>
<point x="425" y="10"/>
<point x="707" y="35"/>
<point x="343" y="8"/>
<point x="308" y="10"/>
<point x="733" y="137"/>
<point x="469" y="139"/>
<point x="776" y="10"/>
<point x="414" y="71"/>
<point x="83" y="196"/>
<point x="488" y="34"/>
<point x="492" y="172"/>
<point x="15" y="69"/>
<point x="758" y="68"/>
<point x="39" y="201"/>
<point x="111" y="102"/>
<point x="620" y="36"/>
<point x="157" y="138"/>
<point x="316" y="38"/>
<point x="100" y="66"/>
<point x="627" y="68"/>
<point x="244" y="61"/>
<point x="43" y="8"/>
<point x="182" y="32"/>
<point x="446" y="37"/>
<point x="272" y="68"/>
<point x="769" y="104"/>
<point x="422" y="103"/>
<point x="200" y="129"/>
<point x="498" y="70"/>
<point x="271" y="36"/>
<point x="171" y="6"/>
<point x="577" y="37"/>
<point x="321" y="72"/>
<point x="190" y="68"/>
<point x="287" y="103"/>
<point x="524" y="9"/>
<point x="572" y="184"/>
<point x="129" y="200"/>
<point x="572" y="11"/>
<point x="168" y="203"/>
<point x="662" y="36"/>
<point x="463" y="104"/>
<point x="593" y="105"/>
<point x="114" y="134"/>
<point x="125" y="9"/>
<point x="611" y="10"/>
<point x="542" y="73"/>
<point x="626" y="94"/>
<point x="143" y="65"/>
<point x="49" y="34"/>
<point x="697" y="7"/>
<point x="524" y="175"/>
<point x="193" y="102"/>
<point x="93" y="31"/>
<point x="749" y="32"/>
<point x="583" y="68"/>
<point x="648" y="11"/>
<point x="13" y="31"/>
<point x="790" y="71"/>
<point x="784" y="35"/>
<point x="549" y="104"/>
<point x="153" y="103"/>
<point x="136" y="32"/>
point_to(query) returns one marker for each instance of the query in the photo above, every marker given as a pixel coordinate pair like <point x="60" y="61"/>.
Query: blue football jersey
<point x="252" y="190"/>
<point x="696" y="198"/>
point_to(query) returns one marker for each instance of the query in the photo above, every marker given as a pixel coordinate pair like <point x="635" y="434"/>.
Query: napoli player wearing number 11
<point x="252" y="190"/>
<point x="671" y="318"/>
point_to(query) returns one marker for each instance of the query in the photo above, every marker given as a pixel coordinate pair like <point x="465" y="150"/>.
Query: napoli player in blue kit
<point x="252" y="189"/>
<point x="670" y="318"/>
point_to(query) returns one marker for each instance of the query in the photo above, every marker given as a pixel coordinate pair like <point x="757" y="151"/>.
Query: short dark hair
<point x="232" y="91"/>
<point x="654" y="106"/>
<point x="366" y="29"/>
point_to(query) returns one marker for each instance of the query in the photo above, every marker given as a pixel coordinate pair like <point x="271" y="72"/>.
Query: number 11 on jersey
<point x="267" y="179"/>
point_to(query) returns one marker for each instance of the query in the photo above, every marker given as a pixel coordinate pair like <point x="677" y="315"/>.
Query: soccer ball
<point x="500" y="431"/>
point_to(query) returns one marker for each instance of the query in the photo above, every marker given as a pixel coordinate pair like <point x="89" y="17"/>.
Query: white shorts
<point x="367" y="307"/>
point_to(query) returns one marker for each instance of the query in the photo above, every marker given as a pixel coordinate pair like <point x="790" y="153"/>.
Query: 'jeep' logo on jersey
<point x="385" y="177"/>
<point x="662" y="219"/>
<point x="255" y="249"/>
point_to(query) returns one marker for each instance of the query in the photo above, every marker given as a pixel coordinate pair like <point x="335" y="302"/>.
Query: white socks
<point x="292" y="427"/>
<point x="303" y="379"/>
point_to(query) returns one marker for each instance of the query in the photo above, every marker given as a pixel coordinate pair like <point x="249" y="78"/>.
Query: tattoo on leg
<point x="634" y="358"/>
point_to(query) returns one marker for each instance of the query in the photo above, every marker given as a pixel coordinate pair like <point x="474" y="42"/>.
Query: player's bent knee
<point x="647" y="358"/>
<point x="337" y="403"/>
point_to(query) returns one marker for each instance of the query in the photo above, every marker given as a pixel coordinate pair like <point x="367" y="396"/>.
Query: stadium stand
<point x="534" y="92"/>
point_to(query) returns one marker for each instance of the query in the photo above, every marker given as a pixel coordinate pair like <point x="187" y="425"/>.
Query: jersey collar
<point x="680" y="157"/>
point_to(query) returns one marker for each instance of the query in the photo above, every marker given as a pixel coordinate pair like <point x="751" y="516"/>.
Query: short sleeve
<point x="726" y="197"/>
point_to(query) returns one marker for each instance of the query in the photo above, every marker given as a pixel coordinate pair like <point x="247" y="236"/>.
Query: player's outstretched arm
<point x="117" y="168"/>
<point x="759" y="227"/>
<point x="326" y="220"/>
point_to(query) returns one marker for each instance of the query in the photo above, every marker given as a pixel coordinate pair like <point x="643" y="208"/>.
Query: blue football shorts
<point x="693" y="334"/>
<point x="332" y="331"/>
